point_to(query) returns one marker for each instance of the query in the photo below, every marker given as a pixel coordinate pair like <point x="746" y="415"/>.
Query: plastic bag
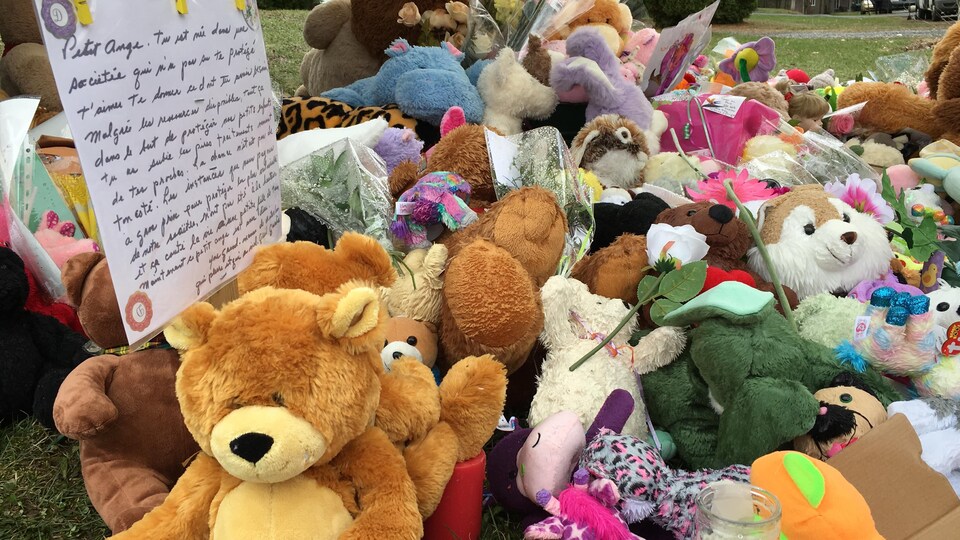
<point x="540" y="157"/>
<point x="344" y="185"/>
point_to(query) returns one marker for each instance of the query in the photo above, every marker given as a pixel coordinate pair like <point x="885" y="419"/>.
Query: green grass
<point x="41" y="490"/>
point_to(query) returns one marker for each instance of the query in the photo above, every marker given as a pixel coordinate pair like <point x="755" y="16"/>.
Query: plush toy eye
<point x="846" y="398"/>
<point x="943" y="306"/>
<point x="691" y="213"/>
<point x="809" y="229"/>
<point x="846" y="218"/>
<point x="624" y="135"/>
<point x="412" y="341"/>
<point x="278" y="399"/>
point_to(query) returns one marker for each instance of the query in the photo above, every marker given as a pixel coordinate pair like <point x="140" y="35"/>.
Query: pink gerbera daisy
<point x="862" y="195"/>
<point x="747" y="189"/>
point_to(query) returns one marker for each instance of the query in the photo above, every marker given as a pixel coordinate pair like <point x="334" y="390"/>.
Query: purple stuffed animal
<point x="593" y="66"/>
<point x="864" y="290"/>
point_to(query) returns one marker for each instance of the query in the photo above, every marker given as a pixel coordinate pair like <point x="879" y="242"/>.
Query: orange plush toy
<point x="817" y="501"/>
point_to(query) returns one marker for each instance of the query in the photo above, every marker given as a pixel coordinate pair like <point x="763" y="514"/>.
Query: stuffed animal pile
<point x="599" y="300"/>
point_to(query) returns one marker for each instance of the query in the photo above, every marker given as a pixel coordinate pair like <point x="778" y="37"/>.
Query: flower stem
<point x="747" y="218"/>
<point x="744" y="74"/>
<point x="630" y="315"/>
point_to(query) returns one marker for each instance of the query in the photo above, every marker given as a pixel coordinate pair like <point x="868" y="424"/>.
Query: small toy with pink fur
<point x="584" y="510"/>
<point x="56" y="238"/>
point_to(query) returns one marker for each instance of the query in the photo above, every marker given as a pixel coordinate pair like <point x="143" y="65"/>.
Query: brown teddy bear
<point x="337" y="58"/>
<point x="25" y="68"/>
<point x="131" y="454"/>
<point x="610" y="17"/>
<point x="728" y="238"/>
<point x="280" y="389"/>
<point x="463" y="151"/>
<point x="891" y="107"/>
<point x="491" y="301"/>
<point x="406" y="337"/>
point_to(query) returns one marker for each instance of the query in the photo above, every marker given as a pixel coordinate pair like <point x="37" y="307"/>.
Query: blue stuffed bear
<point x="423" y="81"/>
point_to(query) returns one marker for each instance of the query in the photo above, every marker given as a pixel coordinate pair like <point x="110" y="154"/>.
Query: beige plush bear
<point x="25" y="68"/>
<point x="328" y="31"/>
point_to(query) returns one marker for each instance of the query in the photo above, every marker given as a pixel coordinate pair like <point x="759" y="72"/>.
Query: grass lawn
<point x="41" y="493"/>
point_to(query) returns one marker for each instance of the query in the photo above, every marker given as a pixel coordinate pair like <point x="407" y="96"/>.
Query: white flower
<point x="683" y="243"/>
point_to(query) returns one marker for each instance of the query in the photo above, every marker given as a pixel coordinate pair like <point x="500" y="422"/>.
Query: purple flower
<point x="862" y="195"/>
<point x="760" y="59"/>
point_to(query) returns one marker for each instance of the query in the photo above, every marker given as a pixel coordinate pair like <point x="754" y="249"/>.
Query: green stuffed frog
<point x="744" y="386"/>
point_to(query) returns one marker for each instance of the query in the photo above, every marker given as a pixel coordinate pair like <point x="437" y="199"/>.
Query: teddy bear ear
<point x="189" y="330"/>
<point x="399" y="47"/>
<point x="455" y="52"/>
<point x="74" y="274"/>
<point x="352" y="312"/>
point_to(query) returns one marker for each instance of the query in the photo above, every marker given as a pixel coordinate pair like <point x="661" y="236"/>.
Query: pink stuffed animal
<point x="56" y="238"/>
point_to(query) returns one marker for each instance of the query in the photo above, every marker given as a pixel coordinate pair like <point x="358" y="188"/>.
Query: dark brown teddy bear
<point x="728" y="238"/>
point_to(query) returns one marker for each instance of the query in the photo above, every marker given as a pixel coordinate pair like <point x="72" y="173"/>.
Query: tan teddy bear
<point x="280" y="389"/>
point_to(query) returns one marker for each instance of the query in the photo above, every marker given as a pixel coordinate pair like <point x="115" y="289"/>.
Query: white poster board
<point x="169" y="103"/>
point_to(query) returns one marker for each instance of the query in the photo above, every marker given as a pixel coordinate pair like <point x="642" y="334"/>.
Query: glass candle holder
<point x="715" y="521"/>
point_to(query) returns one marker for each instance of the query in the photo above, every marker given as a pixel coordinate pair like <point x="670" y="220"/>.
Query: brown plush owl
<point x="614" y="148"/>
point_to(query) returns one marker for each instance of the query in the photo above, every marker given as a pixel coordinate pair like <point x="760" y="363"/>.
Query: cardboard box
<point x="908" y="499"/>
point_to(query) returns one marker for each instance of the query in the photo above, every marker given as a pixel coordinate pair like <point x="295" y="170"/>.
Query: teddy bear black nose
<point x="397" y="355"/>
<point x="849" y="237"/>
<point x="720" y="213"/>
<point x="251" y="446"/>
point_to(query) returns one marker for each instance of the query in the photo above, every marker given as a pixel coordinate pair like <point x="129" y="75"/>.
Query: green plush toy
<point x="745" y="385"/>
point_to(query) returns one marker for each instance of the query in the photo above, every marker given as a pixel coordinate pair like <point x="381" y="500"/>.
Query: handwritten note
<point x="172" y="118"/>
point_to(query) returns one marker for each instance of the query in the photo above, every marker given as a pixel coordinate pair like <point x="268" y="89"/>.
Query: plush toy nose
<point x="849" y="237"/>
<point x="720" y="213"/>
<point x="251" y="446"/>
<point x="397" y="355"/>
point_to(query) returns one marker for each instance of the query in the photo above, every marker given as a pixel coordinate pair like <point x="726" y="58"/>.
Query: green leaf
<point x="646" y="287"/>
<point x="807" y="477"/>
<point x="661" y="308"/>
<point x="925" y="241"/>
<point x="683" y="284"/>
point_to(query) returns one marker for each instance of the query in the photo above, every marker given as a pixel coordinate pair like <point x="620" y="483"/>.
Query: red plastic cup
<point x="460" y="511"/>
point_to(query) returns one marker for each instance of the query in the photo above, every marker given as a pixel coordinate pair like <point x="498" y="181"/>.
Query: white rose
<point x="682" y="243"/>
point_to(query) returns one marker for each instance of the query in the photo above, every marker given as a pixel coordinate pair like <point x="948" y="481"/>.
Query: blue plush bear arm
<point x="355" y="95"/>
<point x="426" y="94"/>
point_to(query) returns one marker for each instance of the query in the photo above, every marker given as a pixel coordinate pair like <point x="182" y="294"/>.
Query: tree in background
<point x="669" y="12"/>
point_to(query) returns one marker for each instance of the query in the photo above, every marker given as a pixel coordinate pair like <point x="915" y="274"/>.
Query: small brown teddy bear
<point x="123" y="409"/>
<point x="25" y="68"/>
<point x="437" y="427"/>
<point x="280" y="389"/>
<point x="411" y="338"/>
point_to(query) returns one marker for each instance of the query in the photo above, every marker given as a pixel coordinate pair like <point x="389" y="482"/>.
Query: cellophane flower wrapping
<point x="17" y="162"/>
<point x="484" y="37"/>
<point x="541" y="159"/>
<point x="814" y="156"/>
<point x="908" y="68"/>
<point x="343" y="185"/>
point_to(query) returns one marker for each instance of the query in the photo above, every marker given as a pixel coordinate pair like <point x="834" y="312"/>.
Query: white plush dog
<point x="819" y="243"/>
<point x="574" y="323"/>
<point x="511" y="94"/>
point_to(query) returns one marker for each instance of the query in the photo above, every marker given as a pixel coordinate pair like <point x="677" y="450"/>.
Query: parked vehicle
<point x="936" y="9"/>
